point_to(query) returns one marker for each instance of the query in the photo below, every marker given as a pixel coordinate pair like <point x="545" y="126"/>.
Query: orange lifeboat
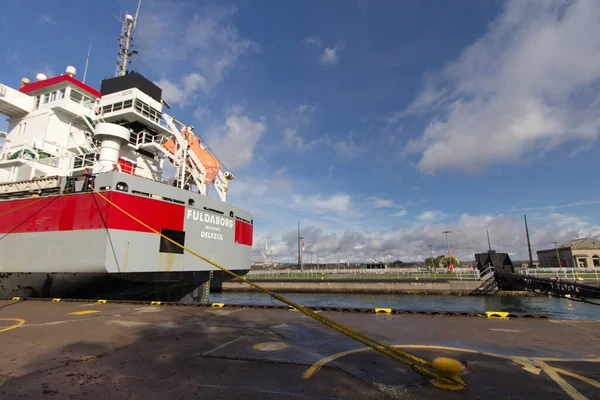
<point x="208" y="161"/>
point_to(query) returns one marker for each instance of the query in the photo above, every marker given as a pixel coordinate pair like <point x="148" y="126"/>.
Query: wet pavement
<point x="65" y="350"/>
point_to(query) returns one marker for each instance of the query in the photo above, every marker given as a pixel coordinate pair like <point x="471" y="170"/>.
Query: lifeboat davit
<point x="208" y="161"/>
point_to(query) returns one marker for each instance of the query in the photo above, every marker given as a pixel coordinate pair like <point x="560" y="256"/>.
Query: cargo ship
<point x="67" y="149"/>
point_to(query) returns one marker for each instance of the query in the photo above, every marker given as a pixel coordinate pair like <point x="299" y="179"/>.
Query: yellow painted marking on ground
<point x="84" y="312"/>
<point x="16" y="298"/>
<point x="564" y="385"/>
<point x="383" y="310"/>
<point x="17" y="323"/>
<point x="271" y="346"/>
<point x="496" y="314"/>
<point x="527" y="365"/>
<point x="292" y="308"/>
<point x="155" y="303"/>
<point x="219" y="305"/>
<point x="550" y="359"/>
<point x="532" y="365"/>
<point x="102" y="301"/>
<point x="577" y="376"/>
<point x="56" y="300"/>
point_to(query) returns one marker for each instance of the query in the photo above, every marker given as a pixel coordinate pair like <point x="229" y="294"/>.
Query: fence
<point x="563" y="273"/>
<point x="366" y="274"/>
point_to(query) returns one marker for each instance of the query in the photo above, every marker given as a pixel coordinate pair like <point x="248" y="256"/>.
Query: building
<point x="581" y="253"/>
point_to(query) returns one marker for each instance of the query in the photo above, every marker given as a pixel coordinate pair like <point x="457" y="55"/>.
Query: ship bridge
<point x="13" y="103"/>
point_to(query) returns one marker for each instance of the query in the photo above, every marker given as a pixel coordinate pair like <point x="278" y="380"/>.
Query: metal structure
<point x="128" y="25"/>
<point x="557" y="287"/>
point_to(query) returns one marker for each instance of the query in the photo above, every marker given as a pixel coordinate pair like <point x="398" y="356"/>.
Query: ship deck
<point x="130" y="351"/>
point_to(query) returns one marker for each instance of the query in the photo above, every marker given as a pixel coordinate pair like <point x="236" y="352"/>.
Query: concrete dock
<point x="68" y="350"/>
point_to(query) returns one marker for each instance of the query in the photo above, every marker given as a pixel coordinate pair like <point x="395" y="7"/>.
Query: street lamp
<point x="447" y="242"/>
<point x="557" y="256"/>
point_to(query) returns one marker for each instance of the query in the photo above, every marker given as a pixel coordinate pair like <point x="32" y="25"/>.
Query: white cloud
<point x="528" y="86"/>
<point x="185" y="90"/>
<point x="411" y="243"/>
<point x="297" y="142"/>
<point x="294" y="121"/>
<point x="331" y="56"/>
<point x="316" y="40"/>
<point x="433" y="215"/>
<point x="201" y="112"/>
<point x="234" y="143"/>
<point x="348" y="148"/>
<point x="47" y="19"/>
<point x="184" y="40"/>
<point x="380" y="202"/>
<point x="336" y="203"/>
<point x="400" y="213"/>
<point x="553" y="207"/>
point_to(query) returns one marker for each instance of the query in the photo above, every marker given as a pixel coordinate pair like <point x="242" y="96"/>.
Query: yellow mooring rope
<point x="25" y="205"/>
<point x="418" y="364"/>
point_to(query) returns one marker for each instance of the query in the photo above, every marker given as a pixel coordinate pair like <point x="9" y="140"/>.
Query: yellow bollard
<point x="447" y="368"/>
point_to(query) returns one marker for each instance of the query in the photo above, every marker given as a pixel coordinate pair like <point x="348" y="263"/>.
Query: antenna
<point x="87" y="60"/>
<point x="126" y="41"/>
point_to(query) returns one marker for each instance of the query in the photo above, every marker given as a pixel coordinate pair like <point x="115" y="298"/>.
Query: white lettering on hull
<point x="217" y="220"/>
<point x="211" y="235"/>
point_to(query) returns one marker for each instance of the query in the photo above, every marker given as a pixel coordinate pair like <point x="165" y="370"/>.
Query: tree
<point x="445" y="261"/>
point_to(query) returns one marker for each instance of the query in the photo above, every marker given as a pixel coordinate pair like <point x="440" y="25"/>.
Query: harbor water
<point x="551" y="307"/>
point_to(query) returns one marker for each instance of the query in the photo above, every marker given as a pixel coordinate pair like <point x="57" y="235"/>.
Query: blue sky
<point x="377" y="124"/>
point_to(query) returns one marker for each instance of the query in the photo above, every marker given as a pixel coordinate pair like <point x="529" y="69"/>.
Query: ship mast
<point x="126" y="41"/>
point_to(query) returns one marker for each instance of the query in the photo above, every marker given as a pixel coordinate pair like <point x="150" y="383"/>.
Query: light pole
<point x="557" y="256"/>
<point x="447" y="242"/>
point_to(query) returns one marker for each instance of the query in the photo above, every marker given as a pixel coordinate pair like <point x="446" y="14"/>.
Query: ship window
<point x="118" y="106"/>
<point x="61" y="94"/>
<point x="127" y="103"/>
<point x="45" y="98"/>
<point x="52" y="97"/>
<point x="169" y="247"/>
<point x="88" y="102"/>
<point x="122" y="186"/>
<point x="106" y="109"/>
<point x="75" y="96"/>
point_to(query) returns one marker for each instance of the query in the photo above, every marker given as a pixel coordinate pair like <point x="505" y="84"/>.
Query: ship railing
<point x="80" y="163"/>
<point x="143" y="137"/>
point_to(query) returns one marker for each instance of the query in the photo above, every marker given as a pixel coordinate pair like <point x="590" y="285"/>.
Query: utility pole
<point x="557" y="256"/>
<point x="489" y="243"/>
<point x="529" y="243"/>
<point x="447" y="242"/>
<point x="318" y="265"/>
<point x="299" y="249"/>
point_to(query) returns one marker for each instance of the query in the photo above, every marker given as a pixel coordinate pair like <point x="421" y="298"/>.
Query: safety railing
<point x="367" y="274"/>
<point x="576" y="274"/>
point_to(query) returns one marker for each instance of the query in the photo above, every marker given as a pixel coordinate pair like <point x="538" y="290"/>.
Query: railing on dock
<point x="463" y="274"/>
